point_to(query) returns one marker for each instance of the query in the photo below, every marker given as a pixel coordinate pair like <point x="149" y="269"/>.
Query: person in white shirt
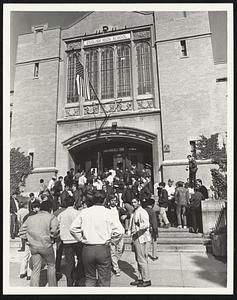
<point x="171" y="214"/>
<point x="51" y="183"/>
<point x="141" y="238"/>
<point x="22" y="212"/>
<point x="70" y="245"/>
<point x="98" y="184"/>
<point x="82" y="180"/>
<point x="95" y="228"/>
<point x="110" y="179"/>
<point x="116" y="246"/>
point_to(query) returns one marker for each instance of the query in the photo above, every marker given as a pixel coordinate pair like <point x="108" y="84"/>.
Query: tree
<point x="208" y="148"/>
<point x="20" y="168"/>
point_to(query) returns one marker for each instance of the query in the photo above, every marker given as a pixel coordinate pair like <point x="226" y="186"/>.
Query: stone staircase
<point x="177" y="240"/>
<point x="170" y="240"/>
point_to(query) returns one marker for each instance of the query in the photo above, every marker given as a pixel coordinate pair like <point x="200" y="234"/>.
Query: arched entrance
<point x="113" y="147"/>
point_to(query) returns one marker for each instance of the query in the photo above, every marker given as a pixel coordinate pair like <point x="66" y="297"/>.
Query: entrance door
<point x="117" y="161"/>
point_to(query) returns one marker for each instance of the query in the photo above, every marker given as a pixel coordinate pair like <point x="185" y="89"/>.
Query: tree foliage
<point x="208" y="148"/>
<point x="20" y="168"/>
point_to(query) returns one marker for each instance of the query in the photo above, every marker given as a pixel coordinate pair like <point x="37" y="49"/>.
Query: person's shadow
<point x="127" y="269"/>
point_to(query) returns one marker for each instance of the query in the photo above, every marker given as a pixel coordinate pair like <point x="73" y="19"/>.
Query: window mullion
<point x="134" y="74"/>
<point x="115" y="73"/>
<point x="99" y="74"/>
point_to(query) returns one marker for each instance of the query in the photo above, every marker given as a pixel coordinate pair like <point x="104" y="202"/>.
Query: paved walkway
<point x="172" y="269"/>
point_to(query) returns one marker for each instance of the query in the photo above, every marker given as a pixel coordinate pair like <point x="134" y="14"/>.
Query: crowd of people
<point x="86" y="216"/>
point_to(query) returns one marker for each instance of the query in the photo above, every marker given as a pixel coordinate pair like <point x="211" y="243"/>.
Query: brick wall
<point x="35" y="100"/>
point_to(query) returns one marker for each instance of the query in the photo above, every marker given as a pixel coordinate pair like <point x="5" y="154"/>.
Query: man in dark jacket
<point x="78" y="196"/>
<point x="202" y="189"/>
<point x="192" y="165"/>
<point x="181" y="197"/>
<point x="65" y="195"/>
<point x="14" y="207"/>
<point x="195" y="210"/>
<point x="68" y="179"/>
<point x="163" y="204"/>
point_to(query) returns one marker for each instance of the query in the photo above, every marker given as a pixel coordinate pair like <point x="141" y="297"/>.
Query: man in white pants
<point x="116" y="246"/>
<point x="25" y="269"/>
<point x="141" y="238"/>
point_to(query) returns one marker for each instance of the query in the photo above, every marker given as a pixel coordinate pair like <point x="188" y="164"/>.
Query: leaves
<point x="19" y="169"/>
<point x="208" y="148"/>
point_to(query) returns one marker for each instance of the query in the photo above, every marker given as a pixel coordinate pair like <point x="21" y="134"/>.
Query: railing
<point x="221" y="223"/>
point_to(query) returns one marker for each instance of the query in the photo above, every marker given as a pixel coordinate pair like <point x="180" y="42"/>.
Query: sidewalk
<point x="172" y="269"/>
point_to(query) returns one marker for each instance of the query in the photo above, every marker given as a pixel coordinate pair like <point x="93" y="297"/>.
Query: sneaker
<point x="58" y="276"/>
<point x="167" y="225"/>
<point x="23" y="275"/>
<point x="144" y="284"/>
<point x="117" y="274"/>
<point x="185" y="227"/>
<point x="21" y="250"/>
<point x="154" y="258"/>
<point x="136" y="282"/>
<point x="179" y="226"/>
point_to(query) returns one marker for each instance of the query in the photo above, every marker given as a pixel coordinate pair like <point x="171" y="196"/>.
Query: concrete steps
<point x="176" y="240"/>
<point x="15" y="243"/>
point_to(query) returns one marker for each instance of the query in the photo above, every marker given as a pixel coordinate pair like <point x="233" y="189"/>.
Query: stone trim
<point x="124" y="132"/>
<point x="38" y="60"/>
<point x="203" y="35"/>
<point x="183" y="162"/>
<point x="92" y="117"/>
<point x="44" y="170"/>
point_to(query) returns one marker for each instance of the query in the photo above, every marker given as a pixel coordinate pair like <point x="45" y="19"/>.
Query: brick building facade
<point x="155" y="76"/>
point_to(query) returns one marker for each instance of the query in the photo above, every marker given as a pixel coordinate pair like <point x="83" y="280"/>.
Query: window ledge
<point x="145" y="96"/>
<point x="73" y="104"/>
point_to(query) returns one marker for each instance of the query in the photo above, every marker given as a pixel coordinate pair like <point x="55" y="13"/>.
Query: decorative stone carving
<point x="108" y="107"/>
<point x="91" y="109"/>
<point x="72" y="112"/>
<point x="145" y="104"/>
<point x="118" y="107"/>
<point x="74" y="45"/>
<point x="141" y="34"/>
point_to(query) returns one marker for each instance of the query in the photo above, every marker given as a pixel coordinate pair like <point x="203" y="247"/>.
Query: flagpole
<point x="106" y="116"/>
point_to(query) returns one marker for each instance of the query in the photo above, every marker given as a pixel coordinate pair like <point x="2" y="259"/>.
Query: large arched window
<point x="92" y="68"/>
<point x="107" y="73"/>
<point x="144" y="69"/>
<point x="123" y="71"/>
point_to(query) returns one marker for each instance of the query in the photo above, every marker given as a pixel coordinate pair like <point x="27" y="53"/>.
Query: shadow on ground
<point x="127" y="269"/>
<point x="216" y="275"/>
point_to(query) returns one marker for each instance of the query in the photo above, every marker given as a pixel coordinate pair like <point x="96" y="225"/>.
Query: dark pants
<point x="195" y="213"/>
<point x="192" y="178"/>
<point x="97" y="258"/>
<point x="55" y="202"/>
<point x="59" y="253"/>
<point x="181" y="215"/>
<point x="73" y="273"/>
<point x="13" y="226"/>
<point x="171" y="214"/>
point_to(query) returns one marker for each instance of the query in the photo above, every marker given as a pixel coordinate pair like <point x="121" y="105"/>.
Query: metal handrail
<point x="221" y="222"/>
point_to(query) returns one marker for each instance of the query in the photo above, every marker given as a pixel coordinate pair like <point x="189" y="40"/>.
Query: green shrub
<point x="19" y="169"/>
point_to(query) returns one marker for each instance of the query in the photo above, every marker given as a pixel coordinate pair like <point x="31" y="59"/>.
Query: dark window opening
<point x="221" y="79"/>
<point x="183" y="48"/>
<point x="193" y="148"/>
<point x="36" y="70"/>
<point x="31" y="155"/>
